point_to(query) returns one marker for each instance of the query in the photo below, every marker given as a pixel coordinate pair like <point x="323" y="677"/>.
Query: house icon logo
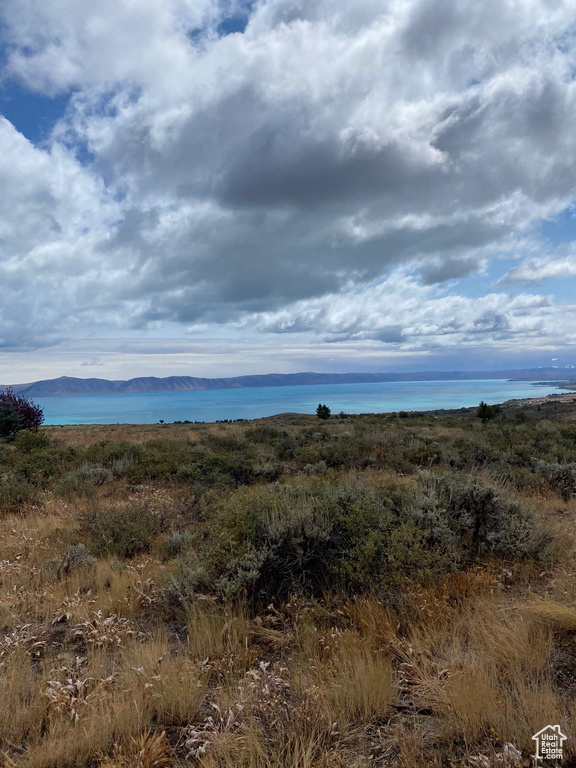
<point x="549" y="743"/>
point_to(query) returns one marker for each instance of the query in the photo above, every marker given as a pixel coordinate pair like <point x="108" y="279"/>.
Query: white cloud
<point x="542" y="268"/>
<point x="65" y="44"/>
<point x="53" y="215"/>
<point x="277" y="175"/>
<point x="410" y="316"/>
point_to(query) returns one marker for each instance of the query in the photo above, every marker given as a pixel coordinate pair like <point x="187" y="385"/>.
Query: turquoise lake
<point x="254" y="403"/>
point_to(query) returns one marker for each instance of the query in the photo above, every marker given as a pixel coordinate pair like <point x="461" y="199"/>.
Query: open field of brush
<point x="393" y="590"/>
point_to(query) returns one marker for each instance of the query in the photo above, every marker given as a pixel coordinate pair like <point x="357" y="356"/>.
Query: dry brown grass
<point x="70" y="713"/>
<point x="149" y="750"/>
<point x="81" y="436"/>
<point x="96" y="669"/>
<point x="482" y="668"/>
<point x="486" y="671"/>
<point x="138" y="434"/>
<point x="554" y="615"/>
<point x="356" y="682"/>
<point x="214" y="631"/>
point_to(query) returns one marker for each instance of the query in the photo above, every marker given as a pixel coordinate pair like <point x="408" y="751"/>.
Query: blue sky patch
<point x="32" y="114"/>
<point x="233" y="25"/>
<point x="562" y="228"/>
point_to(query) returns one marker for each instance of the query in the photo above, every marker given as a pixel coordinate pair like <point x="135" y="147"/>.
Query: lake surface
<point x="217" y="404"/>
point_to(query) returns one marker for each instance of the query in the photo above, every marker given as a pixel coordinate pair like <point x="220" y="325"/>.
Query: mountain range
<point x="69" y="385"/>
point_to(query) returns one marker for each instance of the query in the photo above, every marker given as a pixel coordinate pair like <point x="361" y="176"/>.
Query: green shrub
<point x="225" y="443"/>
<point x="424" y="454"/>
<point x="75" y="556"/>
<point x="121" y="530"/>
<point x="28" y="441"/>
<point x="313" y="535"/>
<point x="83" y="480"/>
<point x="357" y="534"/>
<point x="561" y="478"/>
<point x="120" y="458"/>
<point x="177" y="542"/>
<point x="16" y="490"/>
<point x="266" y="470"/>
<point x="285" y="447"/>
<point x="522" y="478"/>
<point x="345" y="452"/>
<point x="307" y="455"/>
<point x="389" y="540"/>
<point x="9" y="421"/>
<point x="280" y="540"/>
<point x="266" y="435"/>
<point x="485" y="520"/>
<point x="320" y="468"/>
<point x="190" y="578"/>
<point x="206" y="468"/>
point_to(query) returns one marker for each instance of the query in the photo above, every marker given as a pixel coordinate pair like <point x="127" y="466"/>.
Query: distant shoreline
<point x="68" y="386"/>
<point x="254" y="403"/>
<point x="289" y="416"/>
<point x="560" y="397"/>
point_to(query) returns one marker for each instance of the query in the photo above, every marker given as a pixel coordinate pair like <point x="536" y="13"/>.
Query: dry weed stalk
<point x="34" y="644"/>
<point x="70" y="695"/>
<point x="100" y="631"/>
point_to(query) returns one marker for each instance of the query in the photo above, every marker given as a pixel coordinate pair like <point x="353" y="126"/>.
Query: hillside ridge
<point x="70" y="385"/>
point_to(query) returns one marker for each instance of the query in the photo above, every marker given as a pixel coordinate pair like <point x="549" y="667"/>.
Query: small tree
<point x="9" y="420"/>
<point x="486" y="412"/>
<point x="323" y="412"/>
<point x="17" y="413"/>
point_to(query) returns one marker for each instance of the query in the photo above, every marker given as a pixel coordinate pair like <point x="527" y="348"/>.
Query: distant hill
<point x="68" y="385"/>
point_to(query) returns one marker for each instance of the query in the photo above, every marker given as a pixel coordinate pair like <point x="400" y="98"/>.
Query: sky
<point x="223" y="187"/>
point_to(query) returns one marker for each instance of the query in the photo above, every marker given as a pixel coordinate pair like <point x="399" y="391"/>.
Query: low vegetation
<point x="392" y="590"/>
